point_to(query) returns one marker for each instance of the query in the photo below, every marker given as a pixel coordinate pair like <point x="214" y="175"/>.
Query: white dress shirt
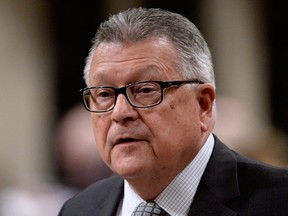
<point x="177" y="197"/>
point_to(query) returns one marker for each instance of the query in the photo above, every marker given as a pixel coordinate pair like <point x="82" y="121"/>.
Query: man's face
<point x="146" y="142"/>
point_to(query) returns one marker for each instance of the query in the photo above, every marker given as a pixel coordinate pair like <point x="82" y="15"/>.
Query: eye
<point x="103" y="93"/>
<point x="146" y="88"/>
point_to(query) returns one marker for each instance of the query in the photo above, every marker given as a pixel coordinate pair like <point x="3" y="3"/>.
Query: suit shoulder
<point x="89" y="201"/>
<point x="249" y="169"/>
<point x="251" y="165"/>
<point x="260" y="174"/>
<point x="101" y="187"/>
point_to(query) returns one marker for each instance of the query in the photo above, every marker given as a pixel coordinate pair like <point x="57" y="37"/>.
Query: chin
<point x="130" y="172"/>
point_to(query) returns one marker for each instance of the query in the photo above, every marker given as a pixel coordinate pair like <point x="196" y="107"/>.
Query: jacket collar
<point x="219" y="184"/>
<point x="110" y="202"/>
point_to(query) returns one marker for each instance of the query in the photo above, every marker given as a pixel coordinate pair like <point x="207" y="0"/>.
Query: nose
<point x="123" y="110"/>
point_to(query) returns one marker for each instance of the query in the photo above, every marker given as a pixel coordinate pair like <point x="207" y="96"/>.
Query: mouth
<point x="128" y="140"/>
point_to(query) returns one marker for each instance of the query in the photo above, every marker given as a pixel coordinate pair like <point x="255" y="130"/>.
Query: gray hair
<point x="132" y="25"/>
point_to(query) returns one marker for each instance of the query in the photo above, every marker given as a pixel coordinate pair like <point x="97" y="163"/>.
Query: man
<point x="151" y="92"/>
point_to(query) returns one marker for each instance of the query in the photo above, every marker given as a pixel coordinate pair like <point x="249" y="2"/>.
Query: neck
<point x="148" y="188"/>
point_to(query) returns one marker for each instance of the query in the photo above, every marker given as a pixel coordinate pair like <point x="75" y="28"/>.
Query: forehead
<point x="143" y="59"/>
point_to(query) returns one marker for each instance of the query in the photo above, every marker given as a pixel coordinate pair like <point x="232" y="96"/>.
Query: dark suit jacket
<point x="231" y="185"/>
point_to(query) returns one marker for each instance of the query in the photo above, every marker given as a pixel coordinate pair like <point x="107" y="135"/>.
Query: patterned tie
<point x="148" y="209"/>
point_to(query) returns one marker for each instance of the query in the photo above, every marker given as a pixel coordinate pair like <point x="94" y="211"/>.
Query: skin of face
<point x="149" y="145"/>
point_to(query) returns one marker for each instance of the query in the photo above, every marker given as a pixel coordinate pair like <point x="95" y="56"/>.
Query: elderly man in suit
<point x="151" y="94"/>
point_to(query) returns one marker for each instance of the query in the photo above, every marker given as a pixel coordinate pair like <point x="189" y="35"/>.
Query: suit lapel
<point x="110" y="202"/>
<point x="219" y="184"/>
<point x="205" y="203"/>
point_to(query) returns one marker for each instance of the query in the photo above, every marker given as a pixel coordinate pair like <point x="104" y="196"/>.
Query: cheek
<point x="162" y="123"/>
<point x="100" y="129"/>
<point x="176" y="121"/>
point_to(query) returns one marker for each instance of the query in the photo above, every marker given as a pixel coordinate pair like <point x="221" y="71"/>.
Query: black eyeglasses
<point x="144" y="94"/>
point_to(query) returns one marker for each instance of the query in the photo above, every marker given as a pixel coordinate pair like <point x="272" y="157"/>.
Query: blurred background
<point x="47" y="152"/>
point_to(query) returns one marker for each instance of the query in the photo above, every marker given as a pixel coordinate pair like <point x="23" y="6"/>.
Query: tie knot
<point x="148" y="209"/>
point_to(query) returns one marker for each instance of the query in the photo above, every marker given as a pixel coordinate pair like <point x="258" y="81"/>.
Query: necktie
<point x="148" y="209"/>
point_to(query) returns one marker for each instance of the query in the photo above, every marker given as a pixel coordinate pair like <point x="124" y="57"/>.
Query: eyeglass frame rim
<point x="123" y="90"/>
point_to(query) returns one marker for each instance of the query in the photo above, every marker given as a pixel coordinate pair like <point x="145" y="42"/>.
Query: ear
<point x="206" y="95"/>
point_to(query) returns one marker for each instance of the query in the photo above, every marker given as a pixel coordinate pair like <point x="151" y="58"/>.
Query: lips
<point x="120" y="135"/>
<point x="126" y="140"/>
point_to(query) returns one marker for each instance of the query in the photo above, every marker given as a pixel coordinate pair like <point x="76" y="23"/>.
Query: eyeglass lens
<point x="138" y="95"/>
